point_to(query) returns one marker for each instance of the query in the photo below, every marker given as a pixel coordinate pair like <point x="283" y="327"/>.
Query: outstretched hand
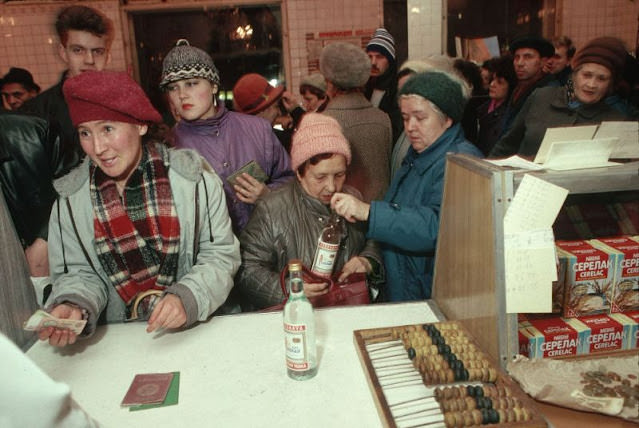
<point x="61" y="336"/>
<point x="168" y="313"/>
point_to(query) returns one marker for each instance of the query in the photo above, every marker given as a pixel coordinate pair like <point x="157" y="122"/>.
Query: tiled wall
<point x="314" y="23"/>
<point x="27" y="38"/>
<point x="583" y="20"/>
<point x="29" y="41"/>
<point x="424" y="28"/>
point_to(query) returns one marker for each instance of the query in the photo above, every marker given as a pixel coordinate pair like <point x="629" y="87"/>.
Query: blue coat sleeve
<point x="411" y="224"/>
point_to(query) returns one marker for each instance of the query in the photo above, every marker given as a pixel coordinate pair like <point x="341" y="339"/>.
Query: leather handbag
<point x="352" y="291"/>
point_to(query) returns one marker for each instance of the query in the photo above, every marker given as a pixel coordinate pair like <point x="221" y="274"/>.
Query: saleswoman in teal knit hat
<point x="406" y="222"/>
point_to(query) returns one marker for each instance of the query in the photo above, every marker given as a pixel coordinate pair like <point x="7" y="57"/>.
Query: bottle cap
<point x="294" y="265"/>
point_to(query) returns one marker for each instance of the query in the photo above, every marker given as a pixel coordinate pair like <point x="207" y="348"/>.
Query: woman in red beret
<point x="138" y="231"/>
<point x="597" y="69"/>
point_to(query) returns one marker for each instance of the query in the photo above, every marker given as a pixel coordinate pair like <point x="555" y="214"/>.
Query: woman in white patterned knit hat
<point x="226" y="139"/>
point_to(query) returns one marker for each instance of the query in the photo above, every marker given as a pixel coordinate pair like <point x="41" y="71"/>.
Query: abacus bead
<point x="411" y="353"/>
<point x="493" y="416"/>
<point x="488" y="403"/>
<point x="449" y="420"/>
<point x="485" y="419"/>
<point x="476" y="417"/>
<point x="468" y="419"/>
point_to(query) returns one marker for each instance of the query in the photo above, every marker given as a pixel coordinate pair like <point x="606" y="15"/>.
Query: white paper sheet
<point x="628" y="135"/>
<point x="516" y="162"/>
<point x="568" y="133"/>
<point x="529" y="245"/>
<point x="579" y="154"/>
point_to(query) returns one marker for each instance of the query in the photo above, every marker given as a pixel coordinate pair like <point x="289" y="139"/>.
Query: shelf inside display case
<point x="618" y="178"/>
<point x="469" y="282"/>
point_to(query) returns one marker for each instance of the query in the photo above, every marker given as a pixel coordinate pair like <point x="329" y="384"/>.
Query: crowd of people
<point x="126" y="223"/>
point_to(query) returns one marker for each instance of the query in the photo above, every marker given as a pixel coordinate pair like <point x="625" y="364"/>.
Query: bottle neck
<point x="296" y="283"/>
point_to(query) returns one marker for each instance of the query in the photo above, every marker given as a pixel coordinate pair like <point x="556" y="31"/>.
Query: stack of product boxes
<point x="597" y="292"/>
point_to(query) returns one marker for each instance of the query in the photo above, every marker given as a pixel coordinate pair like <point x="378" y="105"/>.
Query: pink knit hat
<point x="316" y="134"/>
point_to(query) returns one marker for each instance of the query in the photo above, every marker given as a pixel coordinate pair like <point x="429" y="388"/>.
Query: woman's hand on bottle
<point x="168" y="313"/>
<point x="61" y="336"/>
<point x="349" y="207"/>
<point x="313" y="289"/>
<point x="355" y="265"/>
<point x="248" y="189"/>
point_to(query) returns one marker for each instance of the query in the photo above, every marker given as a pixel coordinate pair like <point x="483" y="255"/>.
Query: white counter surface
<point x="232" y="370"/>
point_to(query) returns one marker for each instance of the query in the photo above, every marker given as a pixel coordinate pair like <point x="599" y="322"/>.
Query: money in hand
<point x="41" y="319"/>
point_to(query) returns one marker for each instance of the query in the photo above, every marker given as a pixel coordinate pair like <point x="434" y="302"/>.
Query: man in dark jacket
<point x="530" y="54"/>
<point x="30" y="158"/>
<point x="381" y="88"/>
<point x="85" y="39"/>
<point x="16" y="87"/>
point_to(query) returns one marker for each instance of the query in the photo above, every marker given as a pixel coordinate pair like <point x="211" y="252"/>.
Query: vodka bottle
<point x="299" y="328"/>
<point x="327" y="247"/>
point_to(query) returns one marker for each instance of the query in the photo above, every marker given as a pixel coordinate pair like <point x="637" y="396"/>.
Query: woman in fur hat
<point x="226" y="139"/>
<point x="597" y="69"/>
<point x="138" y="231"/>
<point x="406" y="221"/>
<point x="287" y="222"/>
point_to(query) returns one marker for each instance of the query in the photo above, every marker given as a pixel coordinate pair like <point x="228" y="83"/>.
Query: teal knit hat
<point x="441" y="89"/>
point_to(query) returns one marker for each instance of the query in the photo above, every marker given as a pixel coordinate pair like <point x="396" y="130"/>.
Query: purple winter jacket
<point x="228" y="141"/>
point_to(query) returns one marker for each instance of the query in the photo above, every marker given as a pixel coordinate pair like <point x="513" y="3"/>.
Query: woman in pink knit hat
<point x="287" y="222"/>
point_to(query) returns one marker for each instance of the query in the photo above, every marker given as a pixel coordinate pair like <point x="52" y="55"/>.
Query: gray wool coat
<point x="369" y="132"/>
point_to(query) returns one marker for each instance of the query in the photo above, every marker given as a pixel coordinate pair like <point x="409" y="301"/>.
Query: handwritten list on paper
<point x="529" y="245"/>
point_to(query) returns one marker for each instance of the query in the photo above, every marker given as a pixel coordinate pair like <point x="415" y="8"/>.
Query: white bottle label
<point x="324" y="258"/>
<point x="296" y="352"/>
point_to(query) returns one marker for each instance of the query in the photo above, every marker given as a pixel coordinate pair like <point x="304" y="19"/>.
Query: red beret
<point x="107" y="95"/>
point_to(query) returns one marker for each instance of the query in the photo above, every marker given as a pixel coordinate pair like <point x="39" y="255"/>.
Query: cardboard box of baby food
<point x="630" y="323"/>
<point x="524" y="342"/>
<point x="553" y="337"/>
<point x="589" y="277"/>
<point x="602" y="333"/>
<point x="624" y="295"/>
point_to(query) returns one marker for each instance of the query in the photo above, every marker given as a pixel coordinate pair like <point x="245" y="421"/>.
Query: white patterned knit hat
<point x="382" y="42"/>
<point x="186" y="62"/>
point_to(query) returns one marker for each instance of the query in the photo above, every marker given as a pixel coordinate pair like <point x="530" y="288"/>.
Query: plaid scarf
<point x="137" y="237"/>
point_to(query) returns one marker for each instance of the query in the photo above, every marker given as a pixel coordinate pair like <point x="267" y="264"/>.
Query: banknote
<point x="41" y="319"/>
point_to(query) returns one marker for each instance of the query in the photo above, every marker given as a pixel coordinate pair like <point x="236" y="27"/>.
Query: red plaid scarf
<point x="137" y="237"/>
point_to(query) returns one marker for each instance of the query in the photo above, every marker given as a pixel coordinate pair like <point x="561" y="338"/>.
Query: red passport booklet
<point x="147" y="388"/>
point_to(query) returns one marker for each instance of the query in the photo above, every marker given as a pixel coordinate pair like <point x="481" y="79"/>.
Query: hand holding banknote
<point x="61" y="326"/>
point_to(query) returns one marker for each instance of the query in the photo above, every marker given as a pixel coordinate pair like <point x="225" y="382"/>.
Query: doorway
<point x="243" y="39"/>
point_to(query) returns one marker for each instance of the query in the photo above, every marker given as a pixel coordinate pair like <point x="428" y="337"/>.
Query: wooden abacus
<point x="434" y="375"/>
